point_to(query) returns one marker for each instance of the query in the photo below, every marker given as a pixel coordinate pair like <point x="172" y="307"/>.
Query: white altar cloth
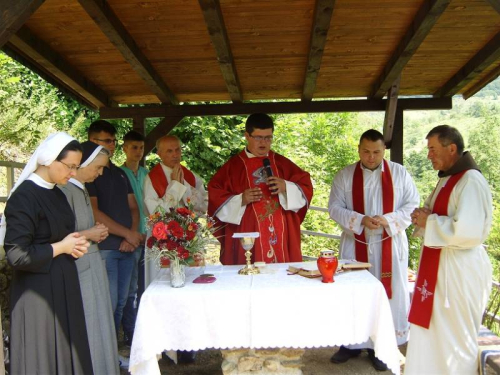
<point x="272" y="310"/>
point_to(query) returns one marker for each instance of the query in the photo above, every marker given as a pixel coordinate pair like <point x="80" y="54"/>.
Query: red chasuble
<point x="279" y="229"/>
<point x="423" y="297"/>
<point x="358" y="201"/>
<point x="159" y="180"/>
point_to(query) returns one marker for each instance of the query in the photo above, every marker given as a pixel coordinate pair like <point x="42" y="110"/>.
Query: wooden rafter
<point x="422" y="24"/>
<point x="481" y="60"/>
<point x="14" y="14"/>
<point x="321" y="23"/>
<point x="390" y="111"/>
<point x="495" y="4"/>
<point x="38" y="51"/>
<point x="490" y="77"/>
<point x="363" y="105"/>
<point x="163" y="128"/>
<point x="218" y="34"/>
<point x="114" y="30"/>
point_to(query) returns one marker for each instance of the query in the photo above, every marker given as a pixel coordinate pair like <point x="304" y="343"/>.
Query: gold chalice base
<point x="249" y="270"/>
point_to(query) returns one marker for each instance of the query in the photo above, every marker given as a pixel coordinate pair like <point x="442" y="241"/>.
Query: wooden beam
<point x="41" y="54"/>
<point x="217" y="29"/>
<point x="321" y="23"/>
<point x="422" y="24"/>
<point x="488" y="55"/>
<point x="495" y="4"/>
<point x="397" y="138"/>
<point x="487" y="79"/>
<point x="13" y="15"/>
<point x="163" y="128"/>
<point x="363" y="105"/>
<point x="111" y="26"/>
<point x="390" y="111"/>
<point x="17" y="55"/>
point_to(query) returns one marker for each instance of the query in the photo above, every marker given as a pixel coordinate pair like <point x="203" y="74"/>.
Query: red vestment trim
<point x="421" y="304"/>
<point x="159" y="180"/>
<point x="358" y="201"/>
<point x="267" y="211"/>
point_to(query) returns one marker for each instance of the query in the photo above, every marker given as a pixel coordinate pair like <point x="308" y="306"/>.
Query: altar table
<point x="271" y="310"/>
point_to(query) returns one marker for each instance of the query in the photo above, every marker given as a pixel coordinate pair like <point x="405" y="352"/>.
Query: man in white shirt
<point x="372" y="200"/>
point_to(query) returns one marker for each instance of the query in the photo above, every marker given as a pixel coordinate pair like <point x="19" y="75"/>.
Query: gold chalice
<point x="247" y="241"/>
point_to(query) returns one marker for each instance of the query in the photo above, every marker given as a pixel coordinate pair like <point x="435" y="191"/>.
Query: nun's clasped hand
<point x="76" y="245"/>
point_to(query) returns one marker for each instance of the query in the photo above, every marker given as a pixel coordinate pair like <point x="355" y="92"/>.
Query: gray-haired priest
<point x="454" y="276"/>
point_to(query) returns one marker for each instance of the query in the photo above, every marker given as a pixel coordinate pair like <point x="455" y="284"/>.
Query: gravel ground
<point x="316" y="362"/>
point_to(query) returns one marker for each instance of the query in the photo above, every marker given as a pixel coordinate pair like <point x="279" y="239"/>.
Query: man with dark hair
<point x="260" y="191"/>
<point x="114" y="205"/>
<point x="372" y="200"/>
<point x="133" y="147"/>
<point x="454" y="276"/>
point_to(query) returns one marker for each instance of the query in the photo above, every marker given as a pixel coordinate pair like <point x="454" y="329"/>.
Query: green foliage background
<point x="322" y="144"/>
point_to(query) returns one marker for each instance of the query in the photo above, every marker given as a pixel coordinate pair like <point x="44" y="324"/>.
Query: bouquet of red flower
<point x="178" y="235"/>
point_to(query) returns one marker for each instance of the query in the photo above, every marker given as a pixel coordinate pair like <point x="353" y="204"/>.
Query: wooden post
<point x="397" y="138"/>
<point x="139" y="125"/>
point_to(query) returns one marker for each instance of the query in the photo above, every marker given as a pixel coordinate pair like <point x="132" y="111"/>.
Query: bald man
<point x="169" y="184"/>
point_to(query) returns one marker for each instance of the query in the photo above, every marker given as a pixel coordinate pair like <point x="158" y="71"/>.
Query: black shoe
<point x="377" y="363"/>
<point x="344" y="354"/>
<point x="186" y="357"/>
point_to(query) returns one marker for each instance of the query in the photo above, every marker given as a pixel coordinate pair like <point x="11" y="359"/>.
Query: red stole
<point x="421" y="304"/>
<point x="358" y="201"/>
<point x="159" y="180"/>
<point x="267" y="211"/>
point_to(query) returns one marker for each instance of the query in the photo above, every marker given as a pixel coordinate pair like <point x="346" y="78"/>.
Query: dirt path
<point x="316" y="362"/>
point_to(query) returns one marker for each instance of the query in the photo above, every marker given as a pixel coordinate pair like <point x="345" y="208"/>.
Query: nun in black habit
<point x="48" y="334"/>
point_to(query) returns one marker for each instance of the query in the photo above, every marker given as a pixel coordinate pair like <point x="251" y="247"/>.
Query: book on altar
<point x="352" y="264"/>
<point x="306" y="272"/>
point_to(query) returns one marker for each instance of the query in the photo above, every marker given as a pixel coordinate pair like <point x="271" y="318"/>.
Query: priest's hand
<point x="382" y="221"/>
<point x="419" y="216"/>
<point x="276" y="185"/>
<point x="177" y="174"/>
<point x="370" y="222"/>
<point x="251" y="195"/>
<point x="126" y="247"/>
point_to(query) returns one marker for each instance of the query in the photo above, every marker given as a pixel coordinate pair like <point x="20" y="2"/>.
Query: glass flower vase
<point x="177" y="274"/>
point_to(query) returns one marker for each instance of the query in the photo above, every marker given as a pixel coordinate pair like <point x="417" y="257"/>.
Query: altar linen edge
<point x="178" y="235"/>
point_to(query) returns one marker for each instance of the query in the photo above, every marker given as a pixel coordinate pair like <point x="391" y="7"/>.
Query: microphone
<point x="267" y="167"/>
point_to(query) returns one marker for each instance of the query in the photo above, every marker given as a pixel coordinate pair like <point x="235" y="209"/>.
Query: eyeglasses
<point x="108" y="141"/>
<point x="70" y="167"/>
<point x="259" y="138"/>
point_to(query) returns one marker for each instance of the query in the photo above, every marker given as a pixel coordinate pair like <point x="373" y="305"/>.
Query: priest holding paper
<point x="454" y="276"/>
<point x="261" y="191"/>
<point x="372" y="200"/>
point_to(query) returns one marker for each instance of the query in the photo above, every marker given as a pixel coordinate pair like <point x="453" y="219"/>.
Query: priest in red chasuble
<point x="372" y="201"/>
<point x="454" y="275"/>
<point x="170" y="184"/>
<point x="261" y="191"/>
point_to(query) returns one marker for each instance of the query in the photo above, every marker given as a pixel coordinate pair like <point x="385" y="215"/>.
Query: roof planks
<point x="218" y="34"/>
<point x="112" y="27"/>
<point x="319" y="31"/>
<point x="422" y="24"/>
<point x="13" y="15"/>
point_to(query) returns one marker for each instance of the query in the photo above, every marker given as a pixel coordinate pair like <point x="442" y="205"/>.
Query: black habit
<point x="48" y="334"/>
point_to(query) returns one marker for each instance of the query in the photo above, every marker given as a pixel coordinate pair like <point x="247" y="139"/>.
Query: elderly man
<point x="169" y="184"/>
<point x="260" y="191"/>
<point x="372" y="200"/>
<point x="454" y="277"/>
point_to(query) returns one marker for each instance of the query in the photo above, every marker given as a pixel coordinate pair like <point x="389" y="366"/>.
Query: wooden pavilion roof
<point x="171" y="51"/>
